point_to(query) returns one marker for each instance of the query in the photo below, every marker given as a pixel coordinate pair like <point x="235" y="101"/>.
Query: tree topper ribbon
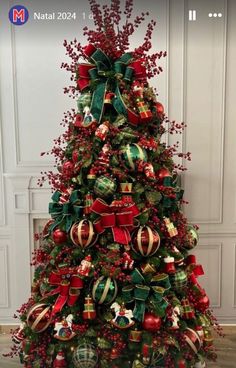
<point x="121" y="222"/>
<point x="66" y="212"/>
<point x="103" y="70"/>
<point x="68" y="284"/>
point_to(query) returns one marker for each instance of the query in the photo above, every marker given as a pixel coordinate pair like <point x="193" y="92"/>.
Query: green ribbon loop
<point x="65" y="213"/>
<point x="105" y="70"/>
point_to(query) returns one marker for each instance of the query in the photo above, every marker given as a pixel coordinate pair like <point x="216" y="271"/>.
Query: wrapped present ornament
<point x="88" y="201"/>
<point x="188" y="311"/>
<point x="82" y="233"/>
<point x="143" y="109"/>
<point x="89" y="311"/>
<point x="85" y="356"/>
<point x="63" y="329"/>
<point x="172" y="231"/>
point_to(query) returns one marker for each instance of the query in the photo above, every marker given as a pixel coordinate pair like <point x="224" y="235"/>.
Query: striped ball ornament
<point x="39" y="317"/>
<point x="104" y="290"/>
<point x="82" y="233"/>
<point x="132" y="153"/>
<point x="85" y="356"/>
<point x="145" y="241"/>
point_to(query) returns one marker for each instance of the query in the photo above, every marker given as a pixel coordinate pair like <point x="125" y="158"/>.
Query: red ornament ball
<point x="145" y="241"/>
<point x="202" y="304"/>
<point x="39" y="317"/>
<point x="159" y="108"/>
<point x="182" y="363"/>
<point x="151" y="322"/>
<point x="163" y="173"/>
<point x="82" y="233"/>
<point x="67" y="169"/>
<point x="59" y="236"/>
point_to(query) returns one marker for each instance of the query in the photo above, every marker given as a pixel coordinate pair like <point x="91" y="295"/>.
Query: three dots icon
<point x="215" y="15"/>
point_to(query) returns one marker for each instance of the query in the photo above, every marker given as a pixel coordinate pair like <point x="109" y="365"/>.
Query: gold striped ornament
<point x="104" y="290"/>
<point x="192" y="339"/>
<point x="82" y="233"/>
<point x="145" y="241"/>
<point x="39" y="317"/>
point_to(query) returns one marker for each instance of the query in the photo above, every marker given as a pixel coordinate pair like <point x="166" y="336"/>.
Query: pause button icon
<point x="192" y="15"/>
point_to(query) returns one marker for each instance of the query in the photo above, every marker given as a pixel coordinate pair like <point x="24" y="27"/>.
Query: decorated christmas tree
<point x="115" y="283"/>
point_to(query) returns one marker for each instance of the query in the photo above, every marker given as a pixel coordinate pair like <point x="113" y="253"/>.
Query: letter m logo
<point x="18" y="15"/>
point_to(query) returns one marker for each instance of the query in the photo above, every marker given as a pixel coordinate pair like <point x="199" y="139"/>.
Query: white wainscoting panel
<point x="4" y="270"/>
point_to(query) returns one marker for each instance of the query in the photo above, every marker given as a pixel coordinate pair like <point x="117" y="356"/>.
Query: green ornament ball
<point x="132" y="153"/>
<point x="105" y="187"/>
<point x="104" y="290"/>
<point x="85" y="356"/>
<point x="192" y="238"/>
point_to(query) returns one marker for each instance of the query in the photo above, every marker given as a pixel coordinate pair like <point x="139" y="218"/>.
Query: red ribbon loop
<point x="120" y="220"/>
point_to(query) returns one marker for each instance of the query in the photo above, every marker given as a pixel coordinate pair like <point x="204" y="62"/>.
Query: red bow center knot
<point x="121" y="220"/>
<point x="68" y="284"/>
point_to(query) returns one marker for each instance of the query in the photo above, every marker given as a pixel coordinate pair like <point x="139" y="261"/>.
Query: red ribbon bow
<point x="120" y="220"/>
<point x="68" y="287"/>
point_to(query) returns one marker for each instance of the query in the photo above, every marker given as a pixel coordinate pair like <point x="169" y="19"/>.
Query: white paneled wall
<point x="197" y="86"/>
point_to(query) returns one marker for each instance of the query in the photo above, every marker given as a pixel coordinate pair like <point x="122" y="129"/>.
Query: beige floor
<point x="226" y="351"/>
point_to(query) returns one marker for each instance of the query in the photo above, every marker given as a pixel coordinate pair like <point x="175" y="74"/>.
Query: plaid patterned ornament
<point x="179" y="279"/>
<point x="104" y="187"/>
<point x="85" y="356"/>
<point x="188" y="311"/>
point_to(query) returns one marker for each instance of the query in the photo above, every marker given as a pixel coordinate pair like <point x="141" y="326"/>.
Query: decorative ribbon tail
<point x="62" y="297"/>
<point x="139" y="310"/>
<point x="121" y="235"/>
<point x="141" y="293"/>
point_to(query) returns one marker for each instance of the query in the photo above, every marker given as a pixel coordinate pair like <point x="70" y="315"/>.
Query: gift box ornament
<point x="89" y="311"/>
<point x="187" y="309"/>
